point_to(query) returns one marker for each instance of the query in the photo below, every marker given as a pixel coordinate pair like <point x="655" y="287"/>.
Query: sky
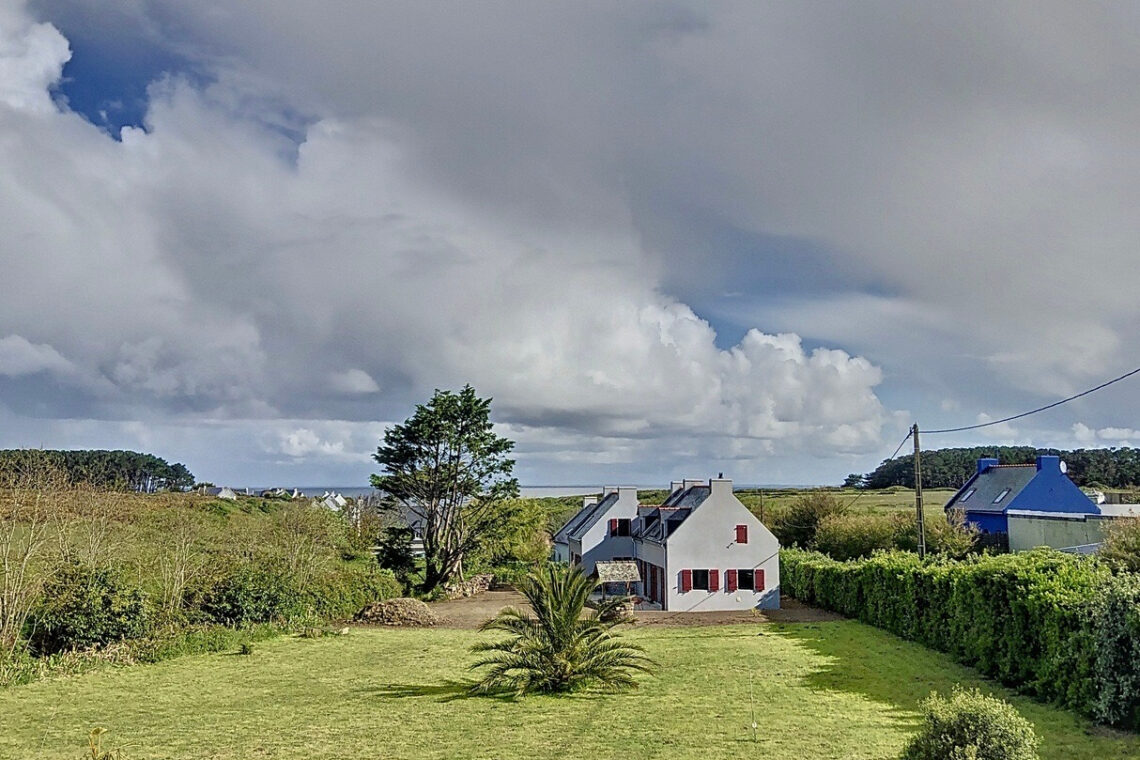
<point x="669" y="239"/>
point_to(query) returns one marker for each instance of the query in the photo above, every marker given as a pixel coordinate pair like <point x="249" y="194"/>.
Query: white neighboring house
<point x="603" y="531"/>
<point x="561" y="539"/>
<point x="700" y="550"/>
<point x="703" y="550"/>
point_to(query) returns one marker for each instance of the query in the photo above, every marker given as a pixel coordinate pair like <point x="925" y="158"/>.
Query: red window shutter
<point x="686" y="580"/>
<point x="730" y="580"/>
<point x="759" y="576"/>
<point x="613" y="527"/>
<point x="741" y="534"/>
<point x="714" y="579"/>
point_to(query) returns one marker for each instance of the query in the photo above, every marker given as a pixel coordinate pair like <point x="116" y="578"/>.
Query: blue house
<point x="995" y="489"/>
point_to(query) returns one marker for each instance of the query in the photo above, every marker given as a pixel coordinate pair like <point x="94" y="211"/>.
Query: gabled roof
<point x="980" y="491"/>
<point x="584" y="518"/>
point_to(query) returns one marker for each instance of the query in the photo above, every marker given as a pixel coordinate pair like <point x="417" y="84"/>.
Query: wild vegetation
<point x="950" y="468"/>
<point x="822" y="521"/>
<point x="558" y="649"/>
<point x="1063" y="628"/>
<point x="89" y="575"/>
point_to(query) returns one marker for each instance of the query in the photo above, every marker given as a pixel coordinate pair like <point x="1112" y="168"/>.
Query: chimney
<point x="986" y="463"/>
<point x="687" y="484"/>
<point x="589" y="501"/>
<point x="720" y="485"/>
<point x="607" y="490"/>
<point x="627" y="493"/>
<point x="675" y="485"/>
<point x="1051" y="463"/>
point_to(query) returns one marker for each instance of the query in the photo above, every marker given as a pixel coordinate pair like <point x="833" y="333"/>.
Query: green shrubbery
<point x="1063" y="628"/>
<point x="971" y="726"/>
<point x="253" y="593"/>
<point x="820" y="521"/>
<point x="83" y="607"/>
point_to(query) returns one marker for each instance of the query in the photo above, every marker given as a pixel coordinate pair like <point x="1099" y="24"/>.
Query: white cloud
<point x="19" y="356"/>
<point x="353" y="381"/>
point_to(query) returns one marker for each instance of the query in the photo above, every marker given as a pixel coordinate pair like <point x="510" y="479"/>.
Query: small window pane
<point x="967" y="495"/>
<point x="1001" y="496"/>
<point x="745" y="579"/>
<point x="701" y="580"/>
<point x="623" y="527"/>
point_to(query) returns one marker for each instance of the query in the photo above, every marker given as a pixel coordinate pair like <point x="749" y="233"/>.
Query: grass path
<point x="823" y="690"/>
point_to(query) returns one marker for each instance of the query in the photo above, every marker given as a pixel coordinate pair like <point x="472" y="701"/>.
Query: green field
<point x="821" y="690"/>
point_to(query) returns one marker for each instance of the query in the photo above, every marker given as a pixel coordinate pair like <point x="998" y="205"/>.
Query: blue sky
<point x="670" y="240"/>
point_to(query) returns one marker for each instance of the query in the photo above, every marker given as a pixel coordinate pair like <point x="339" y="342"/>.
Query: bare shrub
<point x="30" y="501"/>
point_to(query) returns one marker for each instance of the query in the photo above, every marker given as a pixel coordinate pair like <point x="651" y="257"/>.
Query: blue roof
<point x="1042" y="486"/>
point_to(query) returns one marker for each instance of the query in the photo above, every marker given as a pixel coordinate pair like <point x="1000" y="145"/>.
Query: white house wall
<point x="595" y="543"/>
<point x="707" y="540"/>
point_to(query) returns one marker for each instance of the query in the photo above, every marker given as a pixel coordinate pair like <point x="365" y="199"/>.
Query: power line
<point x="897" y="449"/>
<point x="1125" y="376"/>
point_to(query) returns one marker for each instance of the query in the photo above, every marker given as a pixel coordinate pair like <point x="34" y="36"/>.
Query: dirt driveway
<point x="472" y="611"/>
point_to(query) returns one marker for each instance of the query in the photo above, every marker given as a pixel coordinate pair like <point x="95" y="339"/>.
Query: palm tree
<point x="558" y="649"/>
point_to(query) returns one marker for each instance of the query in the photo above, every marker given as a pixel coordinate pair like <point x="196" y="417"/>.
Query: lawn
<point x="821" y="690"/>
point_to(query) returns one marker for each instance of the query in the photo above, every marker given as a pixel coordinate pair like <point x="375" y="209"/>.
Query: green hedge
<point x="1060" y="627"/>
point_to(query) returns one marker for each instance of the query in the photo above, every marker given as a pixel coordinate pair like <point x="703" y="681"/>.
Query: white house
<point x="604" y="530"/>
<point x="703" y="550"/>
<point x="700" y="550"/>
<point x="562" y="537"/>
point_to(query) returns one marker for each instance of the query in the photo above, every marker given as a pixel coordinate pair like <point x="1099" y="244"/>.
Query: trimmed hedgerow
<point x="1062" y="628"/>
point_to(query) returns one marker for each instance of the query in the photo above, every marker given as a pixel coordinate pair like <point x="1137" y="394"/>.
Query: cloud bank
<point x="666" y="237"/>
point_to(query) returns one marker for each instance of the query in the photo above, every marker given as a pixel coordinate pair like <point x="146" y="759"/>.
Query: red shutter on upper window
<point x="686" y="580"/>
<point x="714" y="579"/>
<point x="741" y="534"/>
<point x="730" y="580"/>
<point x="613" y="527"/>
<point x="758" y="584"/>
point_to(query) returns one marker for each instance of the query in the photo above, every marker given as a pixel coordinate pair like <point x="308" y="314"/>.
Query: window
<point x="701" y="580"/>
<point x="622" y="527"/>
<point x="745" y="579"/>
<point x="967" y="495"/>
<point x="741" y="534"/>
<point x="1001" y="496"/>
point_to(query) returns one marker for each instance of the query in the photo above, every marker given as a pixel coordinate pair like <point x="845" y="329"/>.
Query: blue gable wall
<point x="1052" y="491"/>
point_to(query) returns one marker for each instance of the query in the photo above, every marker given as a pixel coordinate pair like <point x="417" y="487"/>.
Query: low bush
<point x="797" y="524"/>
<point x="971" y="726"/>
<point x="83" y="607"/>
<point x="253" y="593"/>
<point x="1061" y="627"/>
<point x="341" y="593"/>
<point x="843" y="536"/>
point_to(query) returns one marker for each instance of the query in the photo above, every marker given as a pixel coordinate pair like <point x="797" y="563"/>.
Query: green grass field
<point x="823" y="690"/>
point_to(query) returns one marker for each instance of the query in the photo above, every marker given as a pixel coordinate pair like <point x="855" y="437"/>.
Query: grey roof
<point x="980" y="491"/>
<point x="664" y="515"/>
<point x="693" y="497"/>
<point x="585" y="518"/>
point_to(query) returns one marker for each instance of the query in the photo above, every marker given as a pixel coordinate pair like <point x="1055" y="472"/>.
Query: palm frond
<point x="558" y="649"/>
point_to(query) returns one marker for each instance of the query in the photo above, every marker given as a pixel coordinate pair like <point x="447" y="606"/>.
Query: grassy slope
<point x="829" y="690"/>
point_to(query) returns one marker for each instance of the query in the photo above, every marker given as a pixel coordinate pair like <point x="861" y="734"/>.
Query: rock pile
<point x="398" y="612"/>
<point x="476" y="584"/>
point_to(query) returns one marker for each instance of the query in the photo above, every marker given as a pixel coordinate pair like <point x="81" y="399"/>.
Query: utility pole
<point x="918" y="494"/>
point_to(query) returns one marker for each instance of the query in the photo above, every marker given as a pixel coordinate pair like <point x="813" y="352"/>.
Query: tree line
<point x="950" y="468"/>
<point x="116" y="470"/>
